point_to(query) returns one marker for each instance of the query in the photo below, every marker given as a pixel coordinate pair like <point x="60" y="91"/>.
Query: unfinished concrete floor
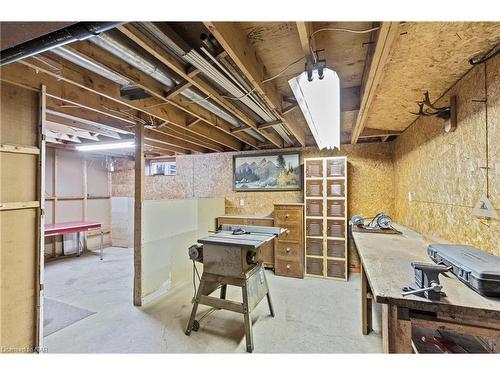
<point x="312" y="315"/>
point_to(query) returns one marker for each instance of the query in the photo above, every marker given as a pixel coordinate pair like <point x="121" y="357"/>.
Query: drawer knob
<point x="288" y="266"/>
<point x="288" y="249"/>
<point x="287" y="215"/>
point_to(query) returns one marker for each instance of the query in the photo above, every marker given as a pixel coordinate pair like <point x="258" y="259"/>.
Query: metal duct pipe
<point x="84" y="62"/>
<point x="195" y="59"/>
<point x="79" y="31"/>
<point x="122" y="51"/>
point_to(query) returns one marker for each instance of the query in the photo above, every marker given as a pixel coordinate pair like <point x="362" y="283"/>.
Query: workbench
<point x="386" y="269"/>
<point x="77" y="227"/>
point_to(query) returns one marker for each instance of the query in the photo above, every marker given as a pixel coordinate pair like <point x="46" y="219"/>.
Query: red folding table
<point x="74" y="227"/>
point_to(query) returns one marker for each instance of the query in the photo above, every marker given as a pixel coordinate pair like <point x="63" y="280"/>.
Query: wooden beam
<point x="158" y="52"/>
<point x="305" y="29"/>
<point x="19" y="149"/>
<point x="156" y="135"/>
<point x="165" y="147"/>
<point x="159" y="91"/>
<point x="375" y="133"/>
<point x="87" y="97"/>
<point x="269" y="124"/>
<point x="235" y="42"/>
<point x="387" y="34"/>
<point x="138" y="205"/>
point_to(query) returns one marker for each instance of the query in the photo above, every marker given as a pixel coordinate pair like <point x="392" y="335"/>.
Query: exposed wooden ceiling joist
<point x="85" y="91"/>
<point x="158" y="52"/>
<point x="304" y="29"/>
<point x="165" y="147"/>
<point x="234" y="41"/>
<point x="386" y="35"/>
<point x="168" y="139"/>
<point x="156" y="89"/>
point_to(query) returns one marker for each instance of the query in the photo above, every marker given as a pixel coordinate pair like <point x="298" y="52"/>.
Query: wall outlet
<point x="409" y="196"/>
<point x="242" y="202"/>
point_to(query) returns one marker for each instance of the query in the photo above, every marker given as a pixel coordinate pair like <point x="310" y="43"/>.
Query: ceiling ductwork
<point x="78" y="31"/>
<point x="218" y="74"/>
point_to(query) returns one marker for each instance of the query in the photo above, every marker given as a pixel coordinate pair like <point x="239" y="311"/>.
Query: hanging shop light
<point x="317" y="91"/>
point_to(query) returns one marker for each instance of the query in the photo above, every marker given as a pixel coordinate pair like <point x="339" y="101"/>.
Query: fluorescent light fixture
<point x="319" y="101"/>
<point x="105" y="146"/>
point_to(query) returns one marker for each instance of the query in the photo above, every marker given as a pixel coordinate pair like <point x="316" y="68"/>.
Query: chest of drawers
<point x="289" y="247"/>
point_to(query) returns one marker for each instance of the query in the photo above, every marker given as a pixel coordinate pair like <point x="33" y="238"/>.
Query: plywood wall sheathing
<point x="370" y="182"/>
<point x="19" y="118"/>
<point x="440" y="176"/>
<point x="426" y="56"/>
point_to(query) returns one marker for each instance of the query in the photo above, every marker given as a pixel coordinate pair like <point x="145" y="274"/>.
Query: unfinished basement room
<point x="198" y="186"/>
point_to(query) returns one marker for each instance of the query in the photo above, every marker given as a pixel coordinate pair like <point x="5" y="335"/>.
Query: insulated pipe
<point x="79" y="31"/>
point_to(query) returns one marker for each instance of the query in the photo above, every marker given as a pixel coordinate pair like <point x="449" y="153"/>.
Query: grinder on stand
<point x="426" y="281"/>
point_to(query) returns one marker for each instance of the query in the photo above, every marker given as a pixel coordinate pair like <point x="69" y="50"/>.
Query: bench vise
<point x="426" y="281"/>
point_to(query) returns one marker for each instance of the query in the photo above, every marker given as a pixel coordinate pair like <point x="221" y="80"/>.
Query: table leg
<point x="223" y="290"/>
<point x="248" y="320"/>
<point x="396" y="331"/>
<point x="201" y="287"/>
<point x="77" y="244"/>
<point x="102" y="240"/>
<point x="366" y="304"/>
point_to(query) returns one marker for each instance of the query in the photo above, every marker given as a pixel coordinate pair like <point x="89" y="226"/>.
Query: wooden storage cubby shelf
<point x="326" y="217"/>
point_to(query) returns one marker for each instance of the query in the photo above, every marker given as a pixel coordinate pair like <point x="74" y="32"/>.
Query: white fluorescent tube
<point x="319" y="101"/>
<point x="106" y="146"/>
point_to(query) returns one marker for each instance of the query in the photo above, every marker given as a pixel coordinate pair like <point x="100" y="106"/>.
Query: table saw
<point x="231" y="257"/>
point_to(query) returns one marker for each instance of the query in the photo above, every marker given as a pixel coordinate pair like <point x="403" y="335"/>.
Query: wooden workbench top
<point x="386" y="261"/>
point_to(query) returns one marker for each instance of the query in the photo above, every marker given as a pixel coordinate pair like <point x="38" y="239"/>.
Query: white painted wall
<point x="169" y="228"/>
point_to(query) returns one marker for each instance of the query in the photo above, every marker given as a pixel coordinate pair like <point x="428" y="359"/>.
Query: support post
<point x="138" y="201"/>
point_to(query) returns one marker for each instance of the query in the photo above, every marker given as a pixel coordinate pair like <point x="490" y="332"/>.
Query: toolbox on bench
<point x="476" y="268"/>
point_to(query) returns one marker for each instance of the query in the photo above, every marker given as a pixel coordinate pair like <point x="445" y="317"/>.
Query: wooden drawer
<point x="284" y="267"/>
<point x="314" y="168"/>
<point x="294" y="233"/>
<point x="288" y="216"/>
<point x="288" y="250"/>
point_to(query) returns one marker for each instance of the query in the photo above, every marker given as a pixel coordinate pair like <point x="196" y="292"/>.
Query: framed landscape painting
<point x="269" y="172"/>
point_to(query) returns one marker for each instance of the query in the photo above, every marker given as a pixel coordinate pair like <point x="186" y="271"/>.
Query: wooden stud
<point x="41" y="219"/>
<point x="138" y="205"/>
<point x="387" y="34"/>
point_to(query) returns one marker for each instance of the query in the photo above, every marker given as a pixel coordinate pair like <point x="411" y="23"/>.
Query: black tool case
<point x="476" y="268"/>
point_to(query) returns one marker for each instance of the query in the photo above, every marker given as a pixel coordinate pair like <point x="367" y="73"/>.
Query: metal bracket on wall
<point x="447" y="113"/>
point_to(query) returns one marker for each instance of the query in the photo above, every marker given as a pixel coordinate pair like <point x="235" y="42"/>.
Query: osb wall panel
<point x="370" y="182"/>
<point x="18" y="228"/>
<point x="439" y="177"/>
<point x="426" y="56"/>
<point x="370" y="177"/>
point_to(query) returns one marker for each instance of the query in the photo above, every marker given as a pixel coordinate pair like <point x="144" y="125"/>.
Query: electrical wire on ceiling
<point x="340" y="29"/>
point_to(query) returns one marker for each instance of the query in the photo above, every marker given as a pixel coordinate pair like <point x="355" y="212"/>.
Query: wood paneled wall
<point x="440" y="176"/>
<point x="19" y="227"/>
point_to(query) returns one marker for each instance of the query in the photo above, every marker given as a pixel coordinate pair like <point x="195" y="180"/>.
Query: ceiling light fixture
<point x="317" y="91"/>
<point x="105" y="146"/>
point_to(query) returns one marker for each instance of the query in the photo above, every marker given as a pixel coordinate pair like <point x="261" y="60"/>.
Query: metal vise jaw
<point x="426" y="281"/>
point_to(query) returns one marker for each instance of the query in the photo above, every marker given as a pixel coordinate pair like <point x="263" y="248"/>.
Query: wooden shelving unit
<point x="325" y="217"/>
